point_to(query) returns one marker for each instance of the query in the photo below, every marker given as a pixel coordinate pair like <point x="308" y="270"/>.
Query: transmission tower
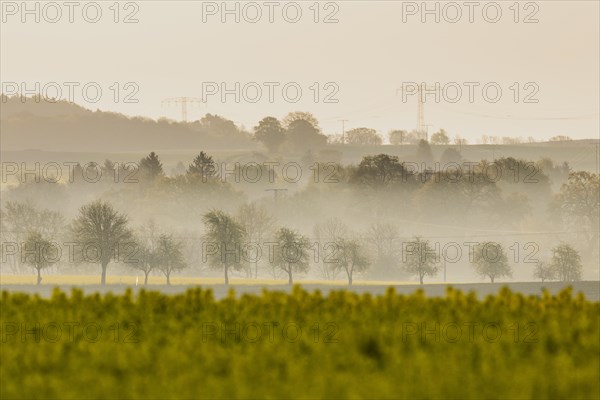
<point x="276" y="192"/>
<point x="427" y="131"/>
<point x="343" y="121"/>
<point x="421" y="127"/>
<point x="183" y="101"/>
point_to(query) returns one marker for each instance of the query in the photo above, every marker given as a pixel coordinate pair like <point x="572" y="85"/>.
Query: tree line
<point x="106" y="231"/>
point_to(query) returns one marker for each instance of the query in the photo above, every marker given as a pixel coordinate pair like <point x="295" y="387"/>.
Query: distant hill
<point x="65" y="126"/>
<point x="17" y="105"/>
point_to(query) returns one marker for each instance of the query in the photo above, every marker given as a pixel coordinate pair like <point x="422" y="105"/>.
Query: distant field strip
<point x="158" y="280"/>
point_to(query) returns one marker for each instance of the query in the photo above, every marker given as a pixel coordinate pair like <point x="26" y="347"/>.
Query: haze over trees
<point x="578" y="204"/>
<point x="150" y="168"/>
<point x="440" y="137"/>
<point x="379" y="171"/>
<point x="424" y="151"/>
<point x="302" y="135"/>
<point x="401" y="137"/>
<point x="288" y="173"/>
<point x="384" y="248"/>
<point x="18" y="220"/>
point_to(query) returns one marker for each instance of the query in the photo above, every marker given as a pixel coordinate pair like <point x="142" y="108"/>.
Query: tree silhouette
<point x="380" y="171"/>
<point x="440" y="137"/>
<point x="566" y="263"/>
<point x="150" y="167"/>
<point x="143" y="259"/>
<point x="489" y="260"/>
<point x="224" y="237"/>
<point x="424" y="152"/>
<point x="291" y="252"/>
<point x="270" y="133"/>
<point x="258" y="224"/>
<point x="39" y="252"/>
<point x="544" y="272"/>
<point x="300" y="116"/>
<point x="169" y="256"/>
<point x="420" y="259"/>
<point x="101" y="227"/>
<point x="202" y="165"/>
<point x="352" y="256"/>
<point x="578" y="204"/>
<point x="363" y="136"/>
<point x="302" y="136"/>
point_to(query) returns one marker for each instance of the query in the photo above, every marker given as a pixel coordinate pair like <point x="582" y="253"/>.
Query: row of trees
<point x="100" y="227"/>
<point x="300" y="130"/>
<point x="370" y="170"/>
<point x="272" y="133"/>
<point x="367" y="136"/>
<point x="565" y="265"/>
<point x="505" y="193"/>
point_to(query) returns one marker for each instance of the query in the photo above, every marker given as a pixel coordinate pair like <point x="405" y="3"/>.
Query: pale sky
<point x="366" y="56"/>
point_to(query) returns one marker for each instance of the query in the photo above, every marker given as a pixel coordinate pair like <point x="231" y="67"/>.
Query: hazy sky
<point x="178" y="47"/>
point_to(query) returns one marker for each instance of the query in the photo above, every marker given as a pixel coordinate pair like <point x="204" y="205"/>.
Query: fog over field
<point x="416" y="211"/>
<point x="237" y="197"/>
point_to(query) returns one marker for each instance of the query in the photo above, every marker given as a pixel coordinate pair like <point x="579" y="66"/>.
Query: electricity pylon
<point x="275" y="192"/>
<point x="421" y="127"/>
<point x="184" y="101"/>
<point x="343" y="121"/>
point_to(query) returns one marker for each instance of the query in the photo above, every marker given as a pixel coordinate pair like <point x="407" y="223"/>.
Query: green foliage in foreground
<point x="358" y="346"/>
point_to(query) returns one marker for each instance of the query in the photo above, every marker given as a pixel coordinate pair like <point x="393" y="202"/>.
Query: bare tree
<point x="258" y="225"/>
<point x="142" y="258"/>
<point x="353" y="257"/>
<point x="101" y="227"/>
<point x="489" y="260"/>
<point x="382" y="241"/>
<point x="578" y="204"/>
<point x="566" y="262"/>
<point x="39" y="252"/>
<point x="328" y="234"/>
<point x="291" y="253"/>
<point x="224" y="236"/>
<point x="169" y="256"/>
<point x="420" y="259"/>
<point x="544" y="272"/>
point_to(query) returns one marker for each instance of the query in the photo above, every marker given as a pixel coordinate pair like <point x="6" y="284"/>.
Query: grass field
<point x="159" y="280"/>
<point x="299" y="345"/>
